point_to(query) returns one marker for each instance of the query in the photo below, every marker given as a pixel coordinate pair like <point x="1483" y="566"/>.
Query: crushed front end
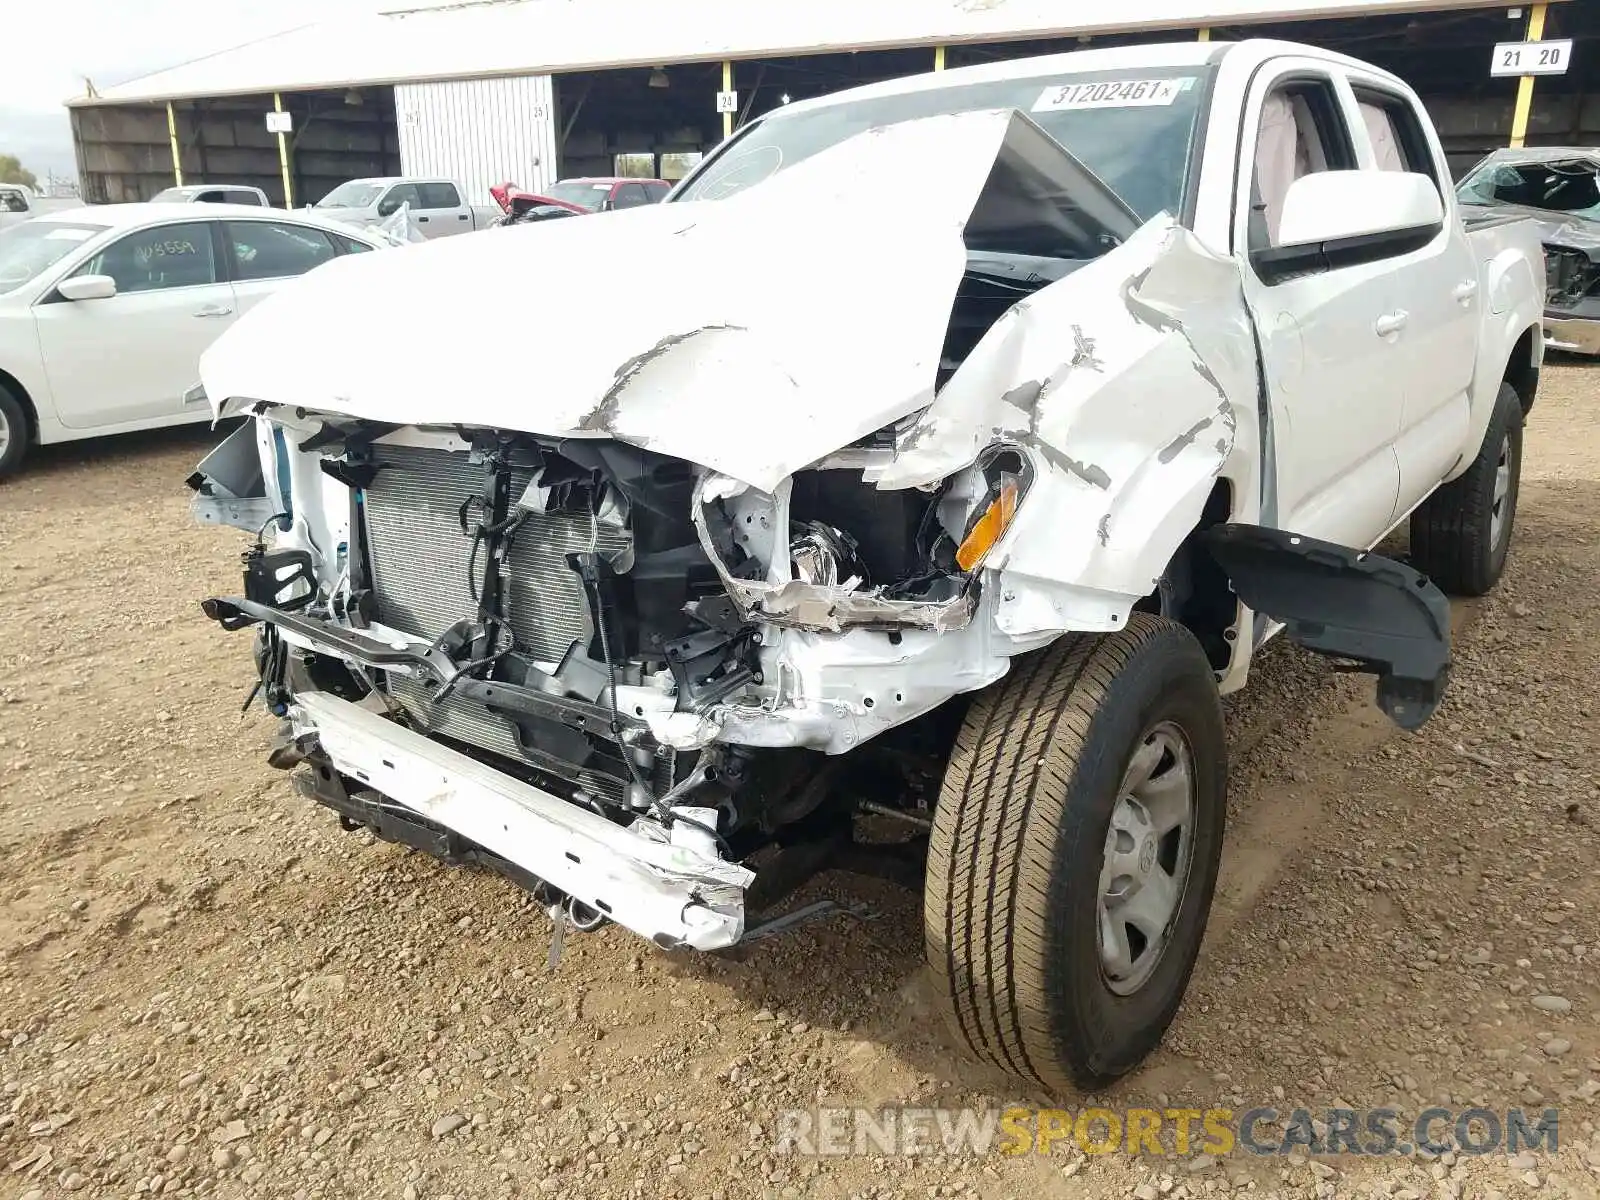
<point x="1572" y="293"/>
<point x="610" y="674"/>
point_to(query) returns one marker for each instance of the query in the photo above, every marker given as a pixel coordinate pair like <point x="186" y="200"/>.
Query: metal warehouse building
<point x="536" y="90"/>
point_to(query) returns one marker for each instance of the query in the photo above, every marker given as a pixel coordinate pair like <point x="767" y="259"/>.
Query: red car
<point x="602" y="194"/>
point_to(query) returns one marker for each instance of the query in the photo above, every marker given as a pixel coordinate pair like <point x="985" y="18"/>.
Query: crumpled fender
<point x="1133" y="384"/>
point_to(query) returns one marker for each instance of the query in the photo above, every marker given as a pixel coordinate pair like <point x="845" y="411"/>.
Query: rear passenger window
<point x="439" y="195"/>
<point x="1398" y="140"/>
<point x="1302" y="132"/>
<point x="266" y="250"/>
<point x="240" y="196"/>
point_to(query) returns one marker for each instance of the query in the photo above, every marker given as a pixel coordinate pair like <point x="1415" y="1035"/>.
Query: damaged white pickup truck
<point x="950" y="509"/>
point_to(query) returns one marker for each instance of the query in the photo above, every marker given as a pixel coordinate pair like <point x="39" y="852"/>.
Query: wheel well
<point x="1194" y="591"/>
<point x="20" y="394"/>
<point x="1521" y="374"/>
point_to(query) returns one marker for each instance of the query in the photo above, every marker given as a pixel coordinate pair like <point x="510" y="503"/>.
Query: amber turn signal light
<point x="990" y="527"/>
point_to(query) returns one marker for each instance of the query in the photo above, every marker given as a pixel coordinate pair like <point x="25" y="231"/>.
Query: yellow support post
<point x="172" y="136"/>
<point x="1205" y="35"/>
<point x="938" y="58"/>
<point x="1519" y="115"/>
<point x="283" y="155"/>
<point x="727" y="86"/>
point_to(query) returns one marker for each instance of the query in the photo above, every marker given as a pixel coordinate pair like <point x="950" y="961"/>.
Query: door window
<point x="631" y="195"/>
<point x="349" y="245"/>
<point x="1302" y="132"/>
<point x="269" y="250"/>
<point x="401" y="193"/>
<point x="438" y="195"/>
<point x="167" y="256"/>
<point x="1398" y="140"/>
<point x="214" y="196"/>
<point x="240" y="196"/>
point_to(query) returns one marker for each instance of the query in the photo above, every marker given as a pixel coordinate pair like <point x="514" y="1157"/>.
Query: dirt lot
<point x="207" y="989"/>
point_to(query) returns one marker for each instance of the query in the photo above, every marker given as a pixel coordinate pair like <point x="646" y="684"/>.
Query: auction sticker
<point x="1112" y="93"/>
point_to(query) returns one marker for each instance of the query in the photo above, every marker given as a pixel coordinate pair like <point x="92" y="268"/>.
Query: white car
<point x="104" y="311"/>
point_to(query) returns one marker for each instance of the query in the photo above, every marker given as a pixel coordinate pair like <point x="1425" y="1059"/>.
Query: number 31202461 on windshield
<point x="1120" y="93"/>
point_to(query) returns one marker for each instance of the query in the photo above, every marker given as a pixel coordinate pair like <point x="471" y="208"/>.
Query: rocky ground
<point x="207" y="989"/>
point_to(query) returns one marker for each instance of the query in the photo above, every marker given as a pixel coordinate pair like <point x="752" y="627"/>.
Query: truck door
<point x="443" y="210"/>
<point x="1436" y="287"/>
<point x="1332" y="368"/>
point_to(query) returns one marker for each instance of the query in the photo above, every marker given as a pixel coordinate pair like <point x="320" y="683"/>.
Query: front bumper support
<point x="386" y="650"/>
<point x="672" y="894"/>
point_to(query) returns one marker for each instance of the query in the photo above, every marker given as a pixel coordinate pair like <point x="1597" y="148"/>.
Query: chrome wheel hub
<point x="1148" y="851"/>
<point x="1500" y="506"/>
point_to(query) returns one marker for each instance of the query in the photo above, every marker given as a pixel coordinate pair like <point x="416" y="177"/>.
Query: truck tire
<point x="1461" y="534"/>
<point x="14" y="433"/>
<point x="1096" y="766"/>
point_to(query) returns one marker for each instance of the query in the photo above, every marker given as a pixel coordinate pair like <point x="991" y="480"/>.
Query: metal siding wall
<point x="479" y="132"/>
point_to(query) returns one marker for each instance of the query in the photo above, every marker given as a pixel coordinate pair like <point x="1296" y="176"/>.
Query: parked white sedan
<point x="104" y="311"/>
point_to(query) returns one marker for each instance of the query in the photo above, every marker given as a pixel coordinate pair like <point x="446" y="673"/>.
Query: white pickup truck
<point x="953" y="512"/>
<point x="437" y="207"/>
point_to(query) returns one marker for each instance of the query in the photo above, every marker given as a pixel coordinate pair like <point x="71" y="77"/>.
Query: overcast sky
<point x="56" y="43"/>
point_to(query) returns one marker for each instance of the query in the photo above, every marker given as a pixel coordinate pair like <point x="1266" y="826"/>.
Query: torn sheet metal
<point x="750" y="353"/>
<point x="758" y="525"/>
<point x="1133" y="384"/>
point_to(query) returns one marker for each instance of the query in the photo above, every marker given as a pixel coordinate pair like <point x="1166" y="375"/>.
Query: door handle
<point x="461" y="216"/>
<point x="1465" y="292"/>
<point x="1390" y="323"/>
<point x="424" y="220"/>
<point x="214" y="310"/>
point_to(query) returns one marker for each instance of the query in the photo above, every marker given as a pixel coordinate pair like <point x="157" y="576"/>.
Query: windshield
<point x="581" y="192"/>
<point x="1132" y="128"/>
<point x="29" y="249"/>
<point x="1571" y="186"/>
<point x="352" y="195"/>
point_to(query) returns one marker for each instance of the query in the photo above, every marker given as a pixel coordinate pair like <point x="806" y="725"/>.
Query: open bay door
<point x="479" y="132"/>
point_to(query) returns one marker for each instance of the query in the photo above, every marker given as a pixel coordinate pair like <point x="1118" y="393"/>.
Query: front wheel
<point x="13" y="433"/>
<point x="1461" y="534"/>
<point x="1075" y="851"/>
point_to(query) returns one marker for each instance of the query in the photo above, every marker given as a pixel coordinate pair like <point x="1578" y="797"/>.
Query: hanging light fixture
<point x="658" y="78"/>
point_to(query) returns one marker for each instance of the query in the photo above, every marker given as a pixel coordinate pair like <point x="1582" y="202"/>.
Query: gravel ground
<point x="207" y="989"/>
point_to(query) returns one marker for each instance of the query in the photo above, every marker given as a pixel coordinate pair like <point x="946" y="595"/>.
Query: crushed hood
<point x="1570" y="230"/>
<point x="752" y="335"/>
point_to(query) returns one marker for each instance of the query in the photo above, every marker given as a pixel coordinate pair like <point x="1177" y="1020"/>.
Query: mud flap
<point x="1347" y="604"/>
<point x="228" y="485"/>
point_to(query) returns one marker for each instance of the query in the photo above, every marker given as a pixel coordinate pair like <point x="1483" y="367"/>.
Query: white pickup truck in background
<point x="437" y="207"/>
<point x="960" y="508"/>
<point x="212" y="193"/>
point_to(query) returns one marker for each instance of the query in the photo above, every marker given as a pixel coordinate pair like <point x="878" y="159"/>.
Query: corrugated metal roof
<point x="505" y="37"/>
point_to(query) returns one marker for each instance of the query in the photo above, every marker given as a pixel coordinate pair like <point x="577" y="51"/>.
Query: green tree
<point x="12" y="171"/>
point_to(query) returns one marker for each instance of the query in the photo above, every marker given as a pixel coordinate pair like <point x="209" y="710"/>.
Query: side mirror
<point x="608" y="204"/>
<point x="387" y="208"/>
<point x="1336" y="219"/>
<point x="87" y="287"/>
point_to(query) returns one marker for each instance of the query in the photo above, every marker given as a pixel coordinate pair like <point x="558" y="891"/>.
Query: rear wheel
<point x="1461" y="534"/>
<point x="14" y="433"/>
<point x="1074" y="854"/>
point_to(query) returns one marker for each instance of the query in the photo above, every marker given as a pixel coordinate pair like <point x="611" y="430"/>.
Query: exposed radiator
<point x="419" y="561"/>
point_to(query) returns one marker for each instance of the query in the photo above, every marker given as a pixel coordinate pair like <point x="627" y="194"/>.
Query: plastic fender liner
<point x="1348" y="604"/>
